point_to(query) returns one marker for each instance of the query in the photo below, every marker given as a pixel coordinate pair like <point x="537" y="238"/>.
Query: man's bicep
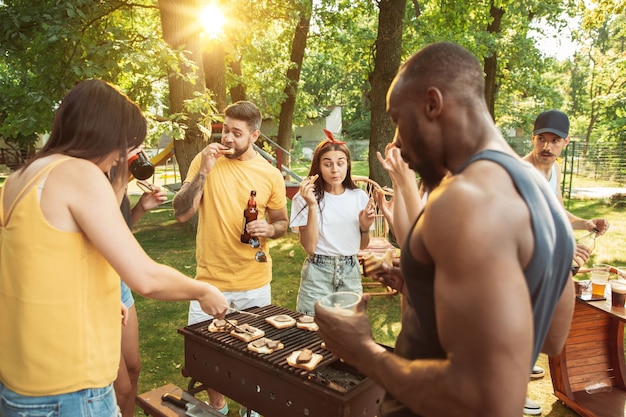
<point x="484" y="317"/>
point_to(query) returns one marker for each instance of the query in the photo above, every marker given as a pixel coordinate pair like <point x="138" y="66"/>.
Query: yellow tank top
<point x="60" y="324"/>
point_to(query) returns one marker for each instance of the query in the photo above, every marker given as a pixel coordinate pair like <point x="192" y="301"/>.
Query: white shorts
<point x="240" y="300"/>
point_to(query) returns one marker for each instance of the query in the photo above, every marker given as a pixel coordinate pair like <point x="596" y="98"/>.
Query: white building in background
<point x="307" y="137"/>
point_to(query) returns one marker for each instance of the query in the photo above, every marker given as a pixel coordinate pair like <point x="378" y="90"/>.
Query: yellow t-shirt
<point x="222" y="259"/>
<point x="59" y="306"/>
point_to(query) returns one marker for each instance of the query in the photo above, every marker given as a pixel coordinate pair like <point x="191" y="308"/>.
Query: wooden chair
<point x="379" y="243"/>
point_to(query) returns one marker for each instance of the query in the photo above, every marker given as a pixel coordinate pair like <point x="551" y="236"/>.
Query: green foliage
<point x="599" y="74"/>
<point x="48" y="46"/>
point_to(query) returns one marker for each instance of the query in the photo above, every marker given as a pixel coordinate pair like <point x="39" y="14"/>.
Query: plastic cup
<point x="599" y="385"/>
<point x="618" y="293"/>
<point x="600" y="275"/>
<point x="598" y="287"/>
<point x="599" y="280"/>
<point x="583" y="288"/>
<point x="342" y="302"/>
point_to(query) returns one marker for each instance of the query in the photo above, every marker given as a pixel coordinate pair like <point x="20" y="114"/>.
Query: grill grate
<point x="293" y="338"/>
<point x="266" y="382"/>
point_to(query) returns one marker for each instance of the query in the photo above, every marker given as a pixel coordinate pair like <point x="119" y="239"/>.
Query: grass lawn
<point x="174" y="244"/>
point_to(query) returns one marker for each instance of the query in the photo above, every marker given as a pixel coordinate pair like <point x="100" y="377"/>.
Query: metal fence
<point x="602" y="162"/>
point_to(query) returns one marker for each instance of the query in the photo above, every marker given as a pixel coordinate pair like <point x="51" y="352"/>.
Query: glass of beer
<point x="599" y="280"/>
<point x="618" y="293"/>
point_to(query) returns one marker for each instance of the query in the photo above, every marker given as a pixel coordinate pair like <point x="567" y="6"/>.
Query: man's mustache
<point x="547" y="153"/>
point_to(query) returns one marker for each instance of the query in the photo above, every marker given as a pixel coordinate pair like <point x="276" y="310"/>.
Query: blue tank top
<point x="546" y="274"/>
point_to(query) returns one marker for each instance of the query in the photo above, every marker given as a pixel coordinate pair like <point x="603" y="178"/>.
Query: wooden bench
<point x="152" y="405"/>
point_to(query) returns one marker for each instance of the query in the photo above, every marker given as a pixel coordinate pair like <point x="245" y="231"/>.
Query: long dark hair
<point x="94" y="119"/>
<point x="324" y="146"/>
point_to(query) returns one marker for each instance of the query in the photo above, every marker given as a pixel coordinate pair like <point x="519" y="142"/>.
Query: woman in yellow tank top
<point x="63" y="248"/>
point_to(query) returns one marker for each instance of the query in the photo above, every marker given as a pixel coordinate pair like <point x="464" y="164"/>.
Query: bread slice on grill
<point x="248" y="333"/>
<point x="307" y="323"/>
<point x="295" y="361"/>
<point x="221" y="326"/>
<point x="265" y="345"/>
<point x="281" y="321"/>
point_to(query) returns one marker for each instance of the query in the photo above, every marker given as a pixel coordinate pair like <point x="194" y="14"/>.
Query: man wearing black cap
<point x="550" y="137"/>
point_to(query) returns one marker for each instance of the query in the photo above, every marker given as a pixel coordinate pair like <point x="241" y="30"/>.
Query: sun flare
<point x="213" y="20"/>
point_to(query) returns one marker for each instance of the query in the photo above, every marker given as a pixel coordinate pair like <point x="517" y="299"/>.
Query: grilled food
<point x="247" y="333"/>
<point x="304" y="359"/>
<point x="307" y="323"/>
<point x="281" y="321"/>
<point x="221" y="326"/>
<point x="265" y="346"/>
<point x="373" y="264"/>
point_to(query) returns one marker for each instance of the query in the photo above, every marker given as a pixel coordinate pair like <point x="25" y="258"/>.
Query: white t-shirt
<point x="338" y="215"/>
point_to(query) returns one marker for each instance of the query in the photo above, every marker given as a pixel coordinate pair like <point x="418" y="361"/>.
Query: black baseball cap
<point x="552" y="121"/>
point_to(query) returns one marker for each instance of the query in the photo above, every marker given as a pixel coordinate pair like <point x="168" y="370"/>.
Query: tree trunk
<point x="238" y="91"/>
<point x="215" y="72"/>
<point x="287" y="107"/>
<point x="175" y="23"/>
<point x="387" y="59"/>
<point x="491" y="62"/>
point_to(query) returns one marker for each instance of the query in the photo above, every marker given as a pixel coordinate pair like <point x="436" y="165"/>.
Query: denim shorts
<point x="92" y="402"/>
<point x="127" y="296"/>
<point x="322" y="275"/>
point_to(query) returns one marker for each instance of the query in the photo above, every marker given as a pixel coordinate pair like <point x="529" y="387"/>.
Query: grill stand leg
<point x="193" y="389"/>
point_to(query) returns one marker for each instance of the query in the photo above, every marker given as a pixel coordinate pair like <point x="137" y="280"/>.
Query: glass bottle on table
<point x="250" y="213"/>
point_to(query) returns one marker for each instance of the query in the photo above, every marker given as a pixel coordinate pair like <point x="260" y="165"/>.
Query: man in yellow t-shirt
<point x="217" y="186"/>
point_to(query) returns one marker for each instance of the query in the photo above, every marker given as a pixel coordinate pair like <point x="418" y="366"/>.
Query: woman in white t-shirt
<point x="333" y="217"/>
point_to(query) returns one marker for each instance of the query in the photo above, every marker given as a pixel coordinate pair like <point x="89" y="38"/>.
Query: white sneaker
<point x="244" y="412"/>
<point x="537" y="372"/>
<point x="532" y="408"/>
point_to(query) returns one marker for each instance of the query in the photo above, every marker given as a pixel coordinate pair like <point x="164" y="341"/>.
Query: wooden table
<point x="152" y="405"/>
<point x="594" y="350"/>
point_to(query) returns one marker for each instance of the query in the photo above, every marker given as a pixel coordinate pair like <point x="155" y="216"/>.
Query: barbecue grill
<point x="266" y="383"/>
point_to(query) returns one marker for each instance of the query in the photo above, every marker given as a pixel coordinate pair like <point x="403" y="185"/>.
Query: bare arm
<point x="279" y="220"/>
<point x="407" y="202"/>
<point x="81" y="199"/>
<point x="561" y="321"/>
<point x="147" y="202"/>
<point x="366" y="218"/>
<point x="187" y="200"/>
<point x="309" y="234"/>
<point x="578" y="223"/>
<point x="274" y="227"/>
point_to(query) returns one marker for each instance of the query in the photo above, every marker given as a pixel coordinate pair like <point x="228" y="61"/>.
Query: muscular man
<point x="486" y="264"/>
<point x="218" y="186"/>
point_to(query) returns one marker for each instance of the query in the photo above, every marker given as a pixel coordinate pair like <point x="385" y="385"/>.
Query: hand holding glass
<point x="342" y="302"/>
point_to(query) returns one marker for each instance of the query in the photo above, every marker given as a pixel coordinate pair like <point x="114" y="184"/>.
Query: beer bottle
<point x="250" y="213"/>
<point x="588" y="240"/>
